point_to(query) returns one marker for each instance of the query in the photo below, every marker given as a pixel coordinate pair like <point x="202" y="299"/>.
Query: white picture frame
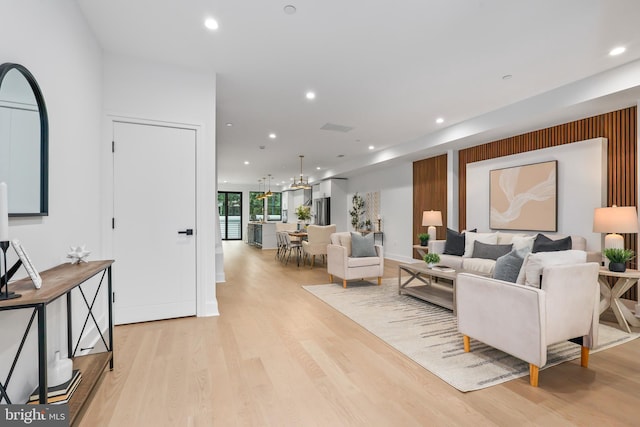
<point x="28" y="265"/>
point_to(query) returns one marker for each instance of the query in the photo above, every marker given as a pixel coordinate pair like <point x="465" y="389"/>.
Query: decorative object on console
<point x="618" y="257"/>
<point x="78" y="254"/>
<point x="59" y="371"/>
<point x="424" y="239"/>
<point x="524" y="197"/>
<point x="613" y="220"/>
<point x="28" y="265"/>
<point x="431" y="219"/>
<point x="431" y="259"/>
<point x="4" y="244"/>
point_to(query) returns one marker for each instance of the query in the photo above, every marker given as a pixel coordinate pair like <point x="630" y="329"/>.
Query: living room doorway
<point x="230" y="212"/>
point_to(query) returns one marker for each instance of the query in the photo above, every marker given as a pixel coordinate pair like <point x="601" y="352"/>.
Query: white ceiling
<point x="387" y="69"/>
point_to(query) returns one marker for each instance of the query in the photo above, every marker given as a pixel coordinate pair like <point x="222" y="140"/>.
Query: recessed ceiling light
<point x="310" y="95"/>
<point x="246" y="162"/>
<point x="371" y="147"/>
<point x="317" y="167"/>
<point x="211" y="23"/>
<point x="229" y="124"/>
<point x="290" y="9"/>
<point x="617" y="50"/>
<point x="439" y="120"/>
<point x="272" y="135"/>
<point x="225" y="181"/>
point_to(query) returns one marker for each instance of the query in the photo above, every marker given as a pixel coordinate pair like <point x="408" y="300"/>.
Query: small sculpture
<point x="78" y="254"/>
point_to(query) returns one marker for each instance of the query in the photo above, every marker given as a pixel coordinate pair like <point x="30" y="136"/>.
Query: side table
<point x="422" y="250"/>
<point x="610" y="296"/>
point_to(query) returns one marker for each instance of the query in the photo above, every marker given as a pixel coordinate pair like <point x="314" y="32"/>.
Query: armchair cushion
<point x="534" y="263"/>
<point x="362" y="246"/>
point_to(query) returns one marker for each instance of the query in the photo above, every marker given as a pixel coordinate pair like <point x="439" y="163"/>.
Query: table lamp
<point x="431" y="219"/>
<point x="613" y="220"/>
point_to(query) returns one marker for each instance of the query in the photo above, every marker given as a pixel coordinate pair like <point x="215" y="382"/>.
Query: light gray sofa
<point x="486" y="266"/>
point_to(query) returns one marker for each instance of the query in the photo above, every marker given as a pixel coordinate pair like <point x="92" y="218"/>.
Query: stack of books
<point x="60" y="393"/>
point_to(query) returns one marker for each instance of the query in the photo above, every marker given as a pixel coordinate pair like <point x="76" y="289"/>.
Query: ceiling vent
<point x="336" y="128"/>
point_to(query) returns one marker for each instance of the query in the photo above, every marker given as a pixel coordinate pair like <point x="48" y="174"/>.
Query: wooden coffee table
<point x="424" y="283"/>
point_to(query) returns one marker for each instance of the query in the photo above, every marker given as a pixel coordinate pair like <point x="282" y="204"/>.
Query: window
<point x="256" y="207"/>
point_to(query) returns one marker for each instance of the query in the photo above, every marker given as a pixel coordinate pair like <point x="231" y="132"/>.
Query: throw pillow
<point x="534" y="263"/>
<point x="362" y="246"/>
<point x="454" y="244"/>
<point x="483" y="250"/>
<point x="470" y="238"/>
<point x="508" y="266"/>
<point x="523" y="242"/>
<point x="544" y="244"/>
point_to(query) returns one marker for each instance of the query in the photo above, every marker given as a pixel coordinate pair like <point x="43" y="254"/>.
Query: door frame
<point x="226" y="193"/>
<point x="206" y="206"/>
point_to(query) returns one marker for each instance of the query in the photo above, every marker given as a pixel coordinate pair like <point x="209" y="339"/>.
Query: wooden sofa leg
<point x="584" y="357"/>
<point x="331" y="277"/>
<point x="533" y="374"/>
<point x="379" y="280"/>
<point x="313" y="260"/>
<point x="467" y="343"/>
<point x="344" y="283"/>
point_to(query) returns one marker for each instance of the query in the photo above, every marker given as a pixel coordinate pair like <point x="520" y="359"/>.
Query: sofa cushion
<point x="362" y="261"/>
<point x="534" y="263"/>
<point x="508" y="266"/>
<point x="486" y="251"/>
<point x="480" y="265"/>
<point x="544" y="244"/>
<point x="362" y="246"/>
<point x="523" y="242"/>
<point x="453" y="261"/>
<point x="454" y="244"/>
<point x="471" y="237"/>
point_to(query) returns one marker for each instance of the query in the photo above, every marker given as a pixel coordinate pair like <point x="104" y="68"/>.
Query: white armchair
<point x="317" y="241"/>
<point x="340" y="263"/>
<point x="523" y="321"/>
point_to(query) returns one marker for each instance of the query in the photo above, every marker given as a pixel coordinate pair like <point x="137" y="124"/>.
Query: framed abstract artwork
<point x="524" y="197"/>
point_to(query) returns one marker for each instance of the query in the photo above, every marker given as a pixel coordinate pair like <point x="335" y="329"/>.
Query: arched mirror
<point x="24" y="141"/>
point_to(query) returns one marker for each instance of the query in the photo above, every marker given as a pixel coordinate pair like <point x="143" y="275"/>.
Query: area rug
<point x="428" y="334"/>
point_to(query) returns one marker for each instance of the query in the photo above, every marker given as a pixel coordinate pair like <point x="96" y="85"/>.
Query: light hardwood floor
<point x="277" y="356"/>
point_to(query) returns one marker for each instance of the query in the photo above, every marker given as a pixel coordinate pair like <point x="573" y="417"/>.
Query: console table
<point x="57" y="282"/>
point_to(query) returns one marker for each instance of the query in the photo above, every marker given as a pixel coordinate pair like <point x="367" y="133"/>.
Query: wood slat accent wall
<point x="429" y="192"/>
<point x="619" y="127"/>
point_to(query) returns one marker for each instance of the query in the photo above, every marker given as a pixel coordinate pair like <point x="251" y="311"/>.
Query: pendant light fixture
<point x="269" y="193"/>
<point x="302" y="183"/>
<point x="261" y="195"/>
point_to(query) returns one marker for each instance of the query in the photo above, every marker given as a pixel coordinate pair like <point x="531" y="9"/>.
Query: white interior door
<point x="154" y="206"/>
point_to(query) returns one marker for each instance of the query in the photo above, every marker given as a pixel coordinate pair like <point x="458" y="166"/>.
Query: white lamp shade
<point x="431" y="218"/>
<point x="616" y="219"/>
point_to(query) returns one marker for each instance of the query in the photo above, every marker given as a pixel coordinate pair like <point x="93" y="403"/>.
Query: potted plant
<point x="431" y="259"/>
<point x="618" y="257"/>
<point x="424" y="239"/>
<point x="303" y="213"/>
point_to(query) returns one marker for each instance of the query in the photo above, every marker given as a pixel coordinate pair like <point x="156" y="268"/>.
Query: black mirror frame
<point x="44" y="138"/>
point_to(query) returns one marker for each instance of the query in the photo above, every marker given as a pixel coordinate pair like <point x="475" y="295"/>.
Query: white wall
<point x="150" y="91"/>
<point x="581" y="182"/>
<point x="53" y="41"/>
<point x="395" y="185"/>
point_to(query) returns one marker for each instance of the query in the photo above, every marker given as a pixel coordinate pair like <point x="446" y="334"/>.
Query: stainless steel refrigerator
<point x="322" y="211"/>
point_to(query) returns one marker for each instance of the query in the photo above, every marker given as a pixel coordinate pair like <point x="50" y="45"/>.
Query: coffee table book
<point x="64" y="389"/>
